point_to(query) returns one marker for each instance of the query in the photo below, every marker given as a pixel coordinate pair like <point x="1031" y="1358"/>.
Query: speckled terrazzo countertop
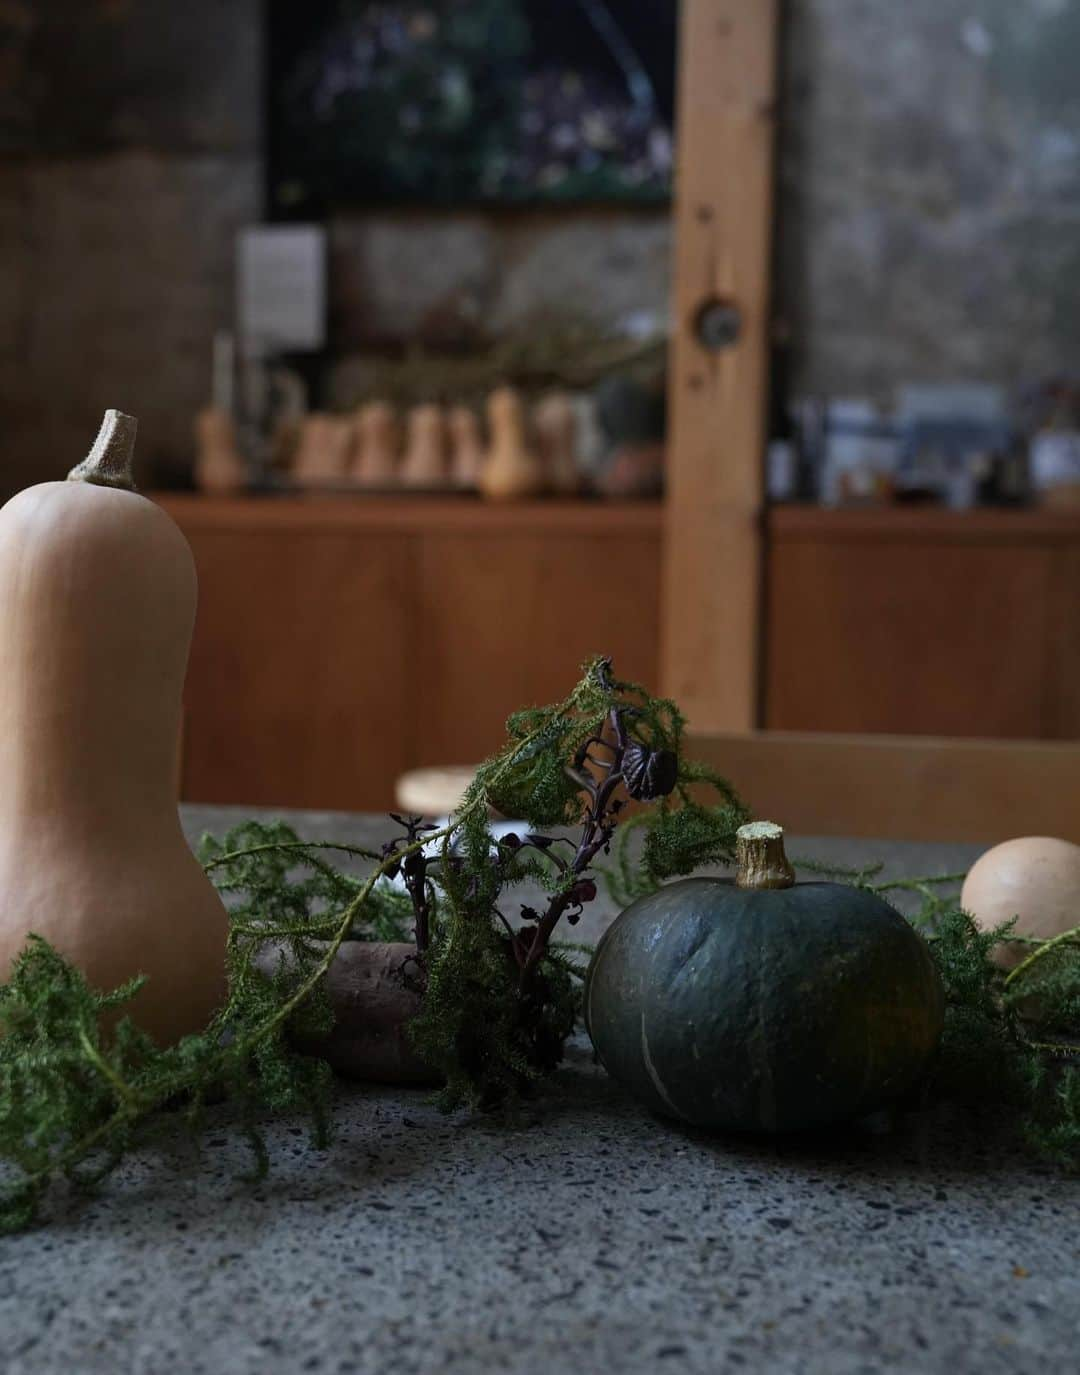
<point x="594" y="1238"/>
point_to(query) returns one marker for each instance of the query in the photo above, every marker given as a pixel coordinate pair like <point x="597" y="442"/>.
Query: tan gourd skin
<point x="511" y="470"/>
<point x="1035" y="879"/>
<point x="97" y="606"/>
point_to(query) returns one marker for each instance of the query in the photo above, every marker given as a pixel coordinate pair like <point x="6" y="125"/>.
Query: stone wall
<point x="929" y="212"/>
<point x="397" y="275"/>
<point x="929" y="191"/>
<point x="129" y="155"/>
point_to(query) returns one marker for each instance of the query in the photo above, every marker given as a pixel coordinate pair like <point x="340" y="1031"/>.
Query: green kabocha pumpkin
<point x="763" y="1004"/>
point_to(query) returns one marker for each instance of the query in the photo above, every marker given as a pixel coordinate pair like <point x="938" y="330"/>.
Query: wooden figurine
<point x="424" y="464"/>
<point x="323" y="452"/>
<point x="555" y="423"/>
<point x="377" y="450"/>
<point x="510" y="471"/>
<point x="466" y="447"/>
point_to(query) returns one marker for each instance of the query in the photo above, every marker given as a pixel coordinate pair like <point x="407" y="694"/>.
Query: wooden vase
<point x="424" y="464"/>
<point x="511" y="471"/>
<point x="466" y="447"/>
<point x="323" y="452"/>
<point x="555" y="423"/>
<point x="376" y="452"/>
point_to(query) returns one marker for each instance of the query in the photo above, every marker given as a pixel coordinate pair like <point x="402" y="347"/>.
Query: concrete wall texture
<point x="929" y="191"/>
<point x="928" y="212"/>
<point x="129" y="156"/>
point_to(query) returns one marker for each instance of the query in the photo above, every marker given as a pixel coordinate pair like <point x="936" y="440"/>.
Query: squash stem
<point x="760" y="857"/>
<point x="108" y="464"/>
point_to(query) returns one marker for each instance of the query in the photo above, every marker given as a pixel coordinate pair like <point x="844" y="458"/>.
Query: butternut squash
<point x="97" y="607"/>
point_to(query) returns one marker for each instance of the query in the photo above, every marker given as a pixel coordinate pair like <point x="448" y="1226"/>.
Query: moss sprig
<point x="77" y="1093"/>
<point x="502" y="996"/>
<point x="1010" y="1050"/>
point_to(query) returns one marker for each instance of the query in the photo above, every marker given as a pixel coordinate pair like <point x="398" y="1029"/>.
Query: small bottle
<point x="219" y="468"/>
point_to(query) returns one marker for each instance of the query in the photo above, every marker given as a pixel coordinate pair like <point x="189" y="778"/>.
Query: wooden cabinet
<point x="341" y="642"/>
<point x="923" y="621"/>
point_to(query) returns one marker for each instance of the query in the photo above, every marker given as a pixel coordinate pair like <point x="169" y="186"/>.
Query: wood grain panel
<point x="299" y="691"/>
<point x="506" y="621"/>
<point x="879" y="636"/>
<point x="717" y="399"/>
<point x="916" y="525"/>
<point x="903" y="788"/>
<point x="413" y="514"/>
<point x="334" y="651"/>
<point x="1062" y="688"/>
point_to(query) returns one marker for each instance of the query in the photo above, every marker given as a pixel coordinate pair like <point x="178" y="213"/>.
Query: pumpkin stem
<point x="759" y="853"/>
<point x="108" y="464"/>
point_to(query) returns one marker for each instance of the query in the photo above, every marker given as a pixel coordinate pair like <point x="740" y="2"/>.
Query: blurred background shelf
<point x="427" y="658"/>
<point x="410" y="513"/>
<point x="889" y="306"/>
<point x="924" y="524"/>
<point x="923" y="621"/>
<point x="874" y="620"/>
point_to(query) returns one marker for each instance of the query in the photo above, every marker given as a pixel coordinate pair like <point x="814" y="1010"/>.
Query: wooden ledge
<point x="923" y="524"/>
<point x="902" y="787"/>
<point x="410" y="514"/>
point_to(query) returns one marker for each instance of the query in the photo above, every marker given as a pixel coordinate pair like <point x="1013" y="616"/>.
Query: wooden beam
<point x="902" y="787"/>
<point x="723" y="212"/>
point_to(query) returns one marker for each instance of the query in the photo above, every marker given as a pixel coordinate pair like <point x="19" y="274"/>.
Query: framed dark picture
<point x="469" y="101"/>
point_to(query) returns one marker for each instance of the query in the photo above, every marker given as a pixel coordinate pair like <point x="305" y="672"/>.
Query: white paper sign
<point x="281" y="288"/>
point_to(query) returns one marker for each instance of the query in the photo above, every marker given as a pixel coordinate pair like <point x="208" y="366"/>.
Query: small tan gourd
<point x="97" y="606"/>
<point x="323" y="451"/>
<point x="556" y="423"/>
<point x="1035" y="879"/>
<point x="511" y="470"/>
<point x="466" y="446"/>
<point x="424" y="464"/>
<point x="375" y="453"/>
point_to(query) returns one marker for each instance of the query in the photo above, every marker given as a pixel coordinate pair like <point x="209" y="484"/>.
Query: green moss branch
<point x="1070" y="937"/>
<point x="137" y="1103"/>
<point x="284" y="847"/>
<point x="918" y="885"/>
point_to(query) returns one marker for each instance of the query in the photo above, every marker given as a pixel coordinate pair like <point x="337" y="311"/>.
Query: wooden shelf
<point x="923" y="621"/>
<point x="412" y="515"/>
<point x="915" y="524"/>
<point x="341" y="641"/>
